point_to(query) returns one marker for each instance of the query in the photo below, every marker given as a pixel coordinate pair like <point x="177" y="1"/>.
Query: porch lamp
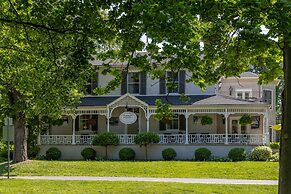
<point x="230" y="89"/>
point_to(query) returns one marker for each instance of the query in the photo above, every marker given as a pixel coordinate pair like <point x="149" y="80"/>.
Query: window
<point x="172" y="82"/>
<point x="243" y="94"/>
<point x="267" y="97"/>
<point x="173" y="124"/>
<point x="133" y="82"/>
<point x="88" y="122"/>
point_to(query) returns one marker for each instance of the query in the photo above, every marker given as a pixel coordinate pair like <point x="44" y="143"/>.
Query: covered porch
<point x="86" y="121"/>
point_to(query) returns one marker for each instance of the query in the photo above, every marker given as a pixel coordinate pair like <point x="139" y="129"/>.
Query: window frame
<point x="82" y="123"/>
<point x="133" y="83"/>
<point x="170" y="82"/>
<point x="175" y="119"/>
<point x="244" y="91"/>
<point x="272" y="97"/>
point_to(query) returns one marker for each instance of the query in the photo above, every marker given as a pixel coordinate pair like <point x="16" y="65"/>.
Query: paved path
<point x="148" y="179"/>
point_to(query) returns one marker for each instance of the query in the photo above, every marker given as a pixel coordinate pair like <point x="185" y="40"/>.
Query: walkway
<point x="148" y="179"/>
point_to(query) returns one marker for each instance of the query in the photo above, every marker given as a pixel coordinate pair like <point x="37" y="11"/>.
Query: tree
<point x="45" y="49"/>
<point x="106" y="139"/>
<point x="145" y="139"/>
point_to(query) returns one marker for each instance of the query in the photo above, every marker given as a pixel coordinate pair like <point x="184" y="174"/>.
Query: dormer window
<point x="133" y="83"/>
<point x="172" y="82"/>
<point x="243" y="93"/>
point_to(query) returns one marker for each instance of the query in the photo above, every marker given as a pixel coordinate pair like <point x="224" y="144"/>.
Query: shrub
<point x="202" y="154"/>
<point x="53" y="154"/>
<point x="33" y="151"/>
<point x="144" y="139"/>
<point x="88" y="153"/>
<point x="126" y="154"/>
<point x="237" y="154"/>
<point x="275" y="145"/>
<point x="274" y="158"/>
<point x="169" y="154"/>
<point x="4" y="150"/>
<point x="106" y="139"/>
<point x="261" y="153"/>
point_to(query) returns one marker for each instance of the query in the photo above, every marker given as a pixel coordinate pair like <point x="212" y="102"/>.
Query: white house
<point x="225" y="103"/>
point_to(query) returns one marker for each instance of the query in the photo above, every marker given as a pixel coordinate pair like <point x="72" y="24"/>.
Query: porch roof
<point x="226" y="100"/>
<point x="150" y="100"/>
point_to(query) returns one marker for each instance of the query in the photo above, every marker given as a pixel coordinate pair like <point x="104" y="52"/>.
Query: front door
<point x="134" y="128"/>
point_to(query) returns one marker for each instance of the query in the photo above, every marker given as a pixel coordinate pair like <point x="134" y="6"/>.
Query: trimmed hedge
<point x="169" y="154"/>
<point x="261" y="153"/>
<point x="88" y="154"/>
<point x="202" y="154"/>
<point x="53" y="154"/>
<point x="237" y="154"/>
<point x="126" y="154"/>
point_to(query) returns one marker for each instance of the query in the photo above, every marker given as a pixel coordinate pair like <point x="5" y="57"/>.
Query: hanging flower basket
<point x="206" y="120"/>
<point x="245" y="119"/>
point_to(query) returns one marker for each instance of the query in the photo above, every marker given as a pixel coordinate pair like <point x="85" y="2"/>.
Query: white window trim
<point x="131" y="83"/>
<point x="243" y="93"/>
<point x="272" y="97"/>
<point x="166" y="81"/>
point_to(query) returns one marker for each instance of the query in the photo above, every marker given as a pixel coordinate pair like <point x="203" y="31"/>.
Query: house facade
<point x="225" y="103"/>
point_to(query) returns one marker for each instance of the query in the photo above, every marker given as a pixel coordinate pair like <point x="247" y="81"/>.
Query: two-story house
<point x="130" y="109"/>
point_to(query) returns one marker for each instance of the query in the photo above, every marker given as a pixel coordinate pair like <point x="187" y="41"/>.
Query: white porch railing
<point x="126" y="138"/>
<point x="242" y="139"/>
<point x="56" y="139"/>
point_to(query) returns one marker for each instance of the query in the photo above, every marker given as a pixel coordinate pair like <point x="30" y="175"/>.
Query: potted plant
<point x="206" y="120"/>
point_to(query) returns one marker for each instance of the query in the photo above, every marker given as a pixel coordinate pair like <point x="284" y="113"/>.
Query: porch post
<point x="108" y="124"/>
<point x="266" y="129"/>
<point x="226" y="115"/>
<point x="148" y="122"/>
<point x="187" y="128"/>
<point x="74" y="129"/>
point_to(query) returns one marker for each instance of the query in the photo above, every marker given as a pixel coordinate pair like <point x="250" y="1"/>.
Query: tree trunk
<point x="285" y="149"/>
<point x="20" y="139"/>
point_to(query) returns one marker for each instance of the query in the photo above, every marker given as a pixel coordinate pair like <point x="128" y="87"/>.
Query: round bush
<point x="202" y="154"/>
<point x="261" y="153"/>
<point x="88" y="153"/>
<point x="126" y="154"/>
<point x="53" y="154"/>
<point x="237" y="154"/>
<point x="169" y="154"/>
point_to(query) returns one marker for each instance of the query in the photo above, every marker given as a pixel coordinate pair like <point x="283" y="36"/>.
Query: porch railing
<point x="241" y="139"/>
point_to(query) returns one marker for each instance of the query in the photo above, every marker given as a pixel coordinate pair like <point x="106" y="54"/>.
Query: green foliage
<point x="146" y="138"/>
<point x="275" y="145"/>
<point x="88" y="154"/>
<point x="53" y="154"/>
<point x="4" y="149"/>
<point x="169" y="154"/>
<point x="261" y="153"/>
<point x="163" y="110"/>
<point x="126" y="154"/>
<point x="202" y="154"/>
<point x="275" y="158"/>
<point x="245" y="119"/>
<point x="237" y="154"/>
<point x="105" y="139"/>
<point x="206" y="120"/>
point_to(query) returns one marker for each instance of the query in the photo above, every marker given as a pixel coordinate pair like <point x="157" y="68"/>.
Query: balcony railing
<point x="237" y="139"/>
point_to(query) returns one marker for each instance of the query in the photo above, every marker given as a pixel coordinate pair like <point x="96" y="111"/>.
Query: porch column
<point x="38" y="138"/>
<point x="108" y="124"/>
<point x="187" y="128"/>
<point x="266" y="129"/>
<point x="74" y="129"/>
<point x="148" y="122"/>
<point x="226" y="115"/>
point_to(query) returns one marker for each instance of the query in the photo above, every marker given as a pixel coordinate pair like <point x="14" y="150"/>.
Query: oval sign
<point x="127" y="118"/>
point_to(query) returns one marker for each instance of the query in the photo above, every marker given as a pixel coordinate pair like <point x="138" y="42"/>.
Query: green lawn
<point x="179" y="169"/>
<point x="46" y="186"/>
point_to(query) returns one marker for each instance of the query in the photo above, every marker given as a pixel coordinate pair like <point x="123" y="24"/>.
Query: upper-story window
<point x="243" y="93"/>
<point x="133" y="83"/>
<point x="172" y="82"/>
<point x="267" y="97"/>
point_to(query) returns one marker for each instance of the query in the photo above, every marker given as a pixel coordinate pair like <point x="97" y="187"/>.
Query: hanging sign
<point x="128" y="118"/>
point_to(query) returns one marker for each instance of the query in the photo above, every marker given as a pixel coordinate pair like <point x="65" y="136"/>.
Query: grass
<point x="60" y="187"/>
<point x="179" y="169"/>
